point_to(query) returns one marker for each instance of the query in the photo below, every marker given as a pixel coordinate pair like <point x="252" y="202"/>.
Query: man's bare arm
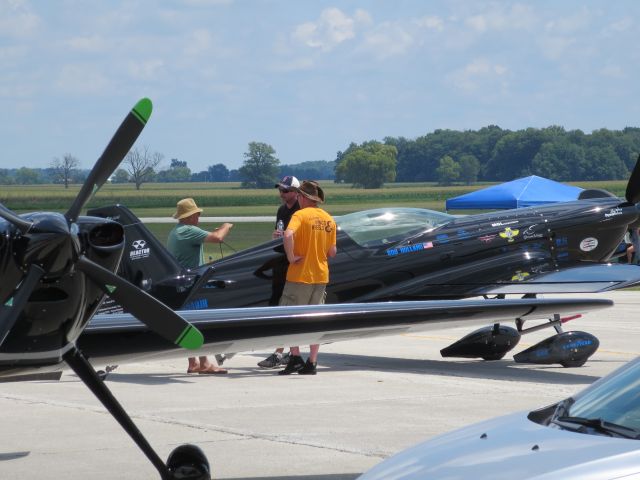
<point x="217" y="236"/>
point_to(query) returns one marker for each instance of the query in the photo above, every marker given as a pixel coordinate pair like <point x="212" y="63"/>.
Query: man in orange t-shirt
<point x="309" y="241"/>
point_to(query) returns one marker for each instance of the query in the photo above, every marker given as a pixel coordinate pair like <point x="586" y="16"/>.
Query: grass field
<point x="242" y="235"/>
<point x="229" y="199"/>
<point x="225" y="199"/>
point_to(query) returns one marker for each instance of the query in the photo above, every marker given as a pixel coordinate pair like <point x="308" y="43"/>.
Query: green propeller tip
<point x="142" y="110"/>
<point x="191" y="338"/>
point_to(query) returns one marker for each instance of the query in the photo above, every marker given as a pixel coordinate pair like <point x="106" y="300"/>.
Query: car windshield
<point x="615" y="399"/>
<point x="378" y="227"/>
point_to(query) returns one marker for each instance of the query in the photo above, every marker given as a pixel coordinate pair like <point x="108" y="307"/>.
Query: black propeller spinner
<point x="56" y="269"/>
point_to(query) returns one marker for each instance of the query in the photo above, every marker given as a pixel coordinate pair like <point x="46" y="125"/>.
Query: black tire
<point x="573" y="363"/>
<point x="189" y="462"/>
<point x="494" y="356"/>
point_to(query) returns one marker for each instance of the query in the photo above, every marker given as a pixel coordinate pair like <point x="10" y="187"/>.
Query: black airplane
<point x="57" y="269"/>
<point x="408" y="254"/>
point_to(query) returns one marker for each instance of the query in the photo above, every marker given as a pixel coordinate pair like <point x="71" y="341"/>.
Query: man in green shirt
<point x="186" y="244"/>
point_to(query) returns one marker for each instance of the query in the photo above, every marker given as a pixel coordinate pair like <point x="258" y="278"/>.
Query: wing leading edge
<point x="118" y="337"/>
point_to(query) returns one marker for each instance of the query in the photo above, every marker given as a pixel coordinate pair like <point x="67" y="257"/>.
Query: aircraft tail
<point x="145" y="262"/>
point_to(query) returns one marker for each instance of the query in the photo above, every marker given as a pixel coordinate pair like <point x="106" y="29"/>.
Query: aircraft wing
<point x="118" y="337"/>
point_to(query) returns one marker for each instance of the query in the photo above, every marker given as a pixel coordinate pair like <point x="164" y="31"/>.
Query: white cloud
<point x="580" y="20"/>
<point x="363" y="17"/>
<point x="199" y="41"/>
<point x="330" y="30"/>
<point x="555" y="47"/>
<point x="296" y="64"/>
<point x="515" y="17"/>
<point x="618" y="27"/>
<point x="388" y="40"/>
<point x="17" y="19"/>
<point x="90" y="44"/>
<point x="146" y="70"/>
<point x="206" y="3"/>
<point x="431" y="22"/>
<point x="480" y="73"/>
<point x="613" y="71"/>
<point x="81" y="79"/>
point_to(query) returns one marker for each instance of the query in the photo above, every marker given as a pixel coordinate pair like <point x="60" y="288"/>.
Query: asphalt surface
<point x="370" y="399"/>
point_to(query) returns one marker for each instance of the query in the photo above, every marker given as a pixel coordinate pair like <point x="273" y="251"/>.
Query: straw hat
<point x="312" y="191"/>
<point x="186" y="207"/>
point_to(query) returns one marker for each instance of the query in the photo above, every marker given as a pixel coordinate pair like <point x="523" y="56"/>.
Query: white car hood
<point x="514" y="447"/>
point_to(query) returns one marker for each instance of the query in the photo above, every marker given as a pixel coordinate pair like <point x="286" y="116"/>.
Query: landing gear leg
<point x="191" y="458"/>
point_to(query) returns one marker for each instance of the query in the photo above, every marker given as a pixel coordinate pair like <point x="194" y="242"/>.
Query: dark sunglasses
<point x="284" y="190"/>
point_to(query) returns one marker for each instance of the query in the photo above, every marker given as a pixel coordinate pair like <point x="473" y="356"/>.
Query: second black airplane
<point x="415" y="254"/>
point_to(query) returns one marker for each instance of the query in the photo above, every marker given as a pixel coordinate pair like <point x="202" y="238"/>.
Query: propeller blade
<point x="120" y="144"/>
<point x="153" y="313"/>
<point x="22" y="224"/>
<point x="10" y="311"/>
<point x="633" y="186"/>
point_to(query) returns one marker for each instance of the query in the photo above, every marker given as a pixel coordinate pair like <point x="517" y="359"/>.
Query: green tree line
<point x="494" y="154"/>
<point x="444" y="156"/>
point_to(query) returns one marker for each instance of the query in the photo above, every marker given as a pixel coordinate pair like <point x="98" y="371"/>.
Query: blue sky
<point x="305" y="76"/>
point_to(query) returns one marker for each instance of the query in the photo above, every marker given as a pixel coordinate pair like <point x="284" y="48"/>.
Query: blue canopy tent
<point x="523" y="192"/>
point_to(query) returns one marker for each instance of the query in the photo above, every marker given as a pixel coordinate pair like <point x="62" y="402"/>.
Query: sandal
<point x="213" y="371"/>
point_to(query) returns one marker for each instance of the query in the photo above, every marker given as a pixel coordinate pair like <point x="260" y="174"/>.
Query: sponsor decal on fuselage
<point x="463" y="234"/>
<point x="140" y="250"/>
<point x="442" y="238"/>
<point x="509" y="234"/>
<point x="392" y="252"/>
<point x="588" y="244"/>
<point x="487" y="238"/>
<point x="519" y="276"/>
<point x="530" y="233"/>
<point x="614" y="212"/>
<point x="198" y="304"/>
<point x="504" y="224"/>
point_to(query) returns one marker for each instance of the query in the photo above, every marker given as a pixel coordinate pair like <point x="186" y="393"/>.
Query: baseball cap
<point x="288" y="182"/>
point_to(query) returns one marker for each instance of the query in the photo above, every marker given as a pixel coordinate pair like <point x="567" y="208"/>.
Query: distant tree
<point x="513" y="154"/>
<point x="121" y="176"/>
<point x="560" y="161"/>
<point x="201" y="176"/>
<point x="218" y="173"/>
<point x="603" y="163"/>
<point x="5" y="177"/>
<point x="339" y="158"/>
<point x="141" y="165"/>
<point x="469" y="169"/>
<point x="368" y="166"/>
<point x="177" y="172"/>
<point x="260" y="167"/>
<point x="27" y="176"/>
<point x="312" y="170"/>
<point x="79" y="176"/>
<point x="234" y="175"/>
<point x="448" y="171"/>
<point x="175" y="163"/>
<point x="63" y="168"/>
